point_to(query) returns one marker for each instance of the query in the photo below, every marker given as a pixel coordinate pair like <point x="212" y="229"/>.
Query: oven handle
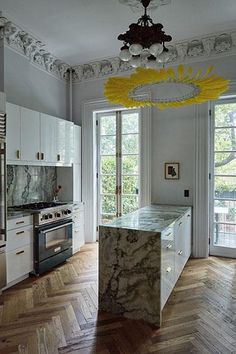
<point x="57" y="227"/>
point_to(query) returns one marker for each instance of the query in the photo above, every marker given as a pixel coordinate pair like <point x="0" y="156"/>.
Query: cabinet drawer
<point x="19" y="262"/>
<point x="19" y="237"/>
<point x="19" y="222"/>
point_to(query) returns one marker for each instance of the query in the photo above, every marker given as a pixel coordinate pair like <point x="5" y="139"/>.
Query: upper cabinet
<point x="77" y="144"/>
<point x="13" y="132"/>
<point x="30" y="135"/>
<point x="38" y="139"/>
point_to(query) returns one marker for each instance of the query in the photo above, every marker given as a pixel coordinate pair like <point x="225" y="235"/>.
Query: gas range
<point x="46" y="212"/>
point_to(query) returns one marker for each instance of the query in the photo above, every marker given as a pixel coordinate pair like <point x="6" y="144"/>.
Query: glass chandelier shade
<point x="144" y="42"/>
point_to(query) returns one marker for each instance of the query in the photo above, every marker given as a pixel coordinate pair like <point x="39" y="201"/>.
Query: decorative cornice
<point x="195" y="50"/>
<point x="136" y="5"/>
<point x="27" y="45"/>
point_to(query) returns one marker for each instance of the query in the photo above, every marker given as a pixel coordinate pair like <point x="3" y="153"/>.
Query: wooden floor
<point x="57" y="313"/>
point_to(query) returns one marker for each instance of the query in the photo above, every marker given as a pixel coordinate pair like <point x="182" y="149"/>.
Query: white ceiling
<point x="79" y="31"/>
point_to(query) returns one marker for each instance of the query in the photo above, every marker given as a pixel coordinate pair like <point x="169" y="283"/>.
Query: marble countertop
<point x="156" y="218"/>
<point x="17" y="214"/>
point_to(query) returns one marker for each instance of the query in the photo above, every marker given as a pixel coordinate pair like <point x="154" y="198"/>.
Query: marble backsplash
<point x="28" y="184"/>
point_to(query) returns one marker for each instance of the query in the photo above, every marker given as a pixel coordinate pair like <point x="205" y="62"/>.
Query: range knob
<point x="65" y="212"/>
<point x="45" y="216"/>
<point x="69" y="211"/>
<point x="50" y="216"/>
<point x="58" y="215"/>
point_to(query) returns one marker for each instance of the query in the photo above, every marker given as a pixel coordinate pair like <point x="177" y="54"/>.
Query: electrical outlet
<point x="186" y="193"/>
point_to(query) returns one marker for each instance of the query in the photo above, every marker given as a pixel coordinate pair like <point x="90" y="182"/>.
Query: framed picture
<point x="172" y="170"/>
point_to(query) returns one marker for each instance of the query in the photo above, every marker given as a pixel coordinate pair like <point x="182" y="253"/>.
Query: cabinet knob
<point x="180" y="223"/>
<point x="180" y="252"/>
<point x="168" y="270"/>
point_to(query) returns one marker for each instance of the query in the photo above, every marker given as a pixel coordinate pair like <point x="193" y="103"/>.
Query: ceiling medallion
<point x="136" y="5"/>
<point x="144" y="42"/>
<point x="188" y="87"/>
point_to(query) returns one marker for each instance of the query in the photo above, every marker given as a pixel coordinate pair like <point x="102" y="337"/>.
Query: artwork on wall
<point x="172" y="170"/>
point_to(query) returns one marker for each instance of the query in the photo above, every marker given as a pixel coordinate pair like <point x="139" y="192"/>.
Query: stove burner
<point x="37" y="206"/>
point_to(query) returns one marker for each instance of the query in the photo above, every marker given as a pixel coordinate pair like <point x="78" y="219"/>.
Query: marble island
<point x="141" y="256"/>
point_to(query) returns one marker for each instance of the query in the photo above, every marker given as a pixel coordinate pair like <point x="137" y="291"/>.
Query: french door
<point x="223" y="182"/>
<point x="118" y="163"/>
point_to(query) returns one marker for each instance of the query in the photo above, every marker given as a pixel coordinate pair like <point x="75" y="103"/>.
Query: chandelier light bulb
<point x="163" y="57"/>
<point x="135" y="61"/>
<point x="125" y="54"/>
<point x="135" y="49"/>
<point x="156" y="49"/>
<point x="151" y="62"/>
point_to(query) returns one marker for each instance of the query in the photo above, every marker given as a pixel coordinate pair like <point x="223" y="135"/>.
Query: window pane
<point x="108" y="145"/>
<point x="108" y="184"/>
<point x="108" y="204"/>
<point x="225" y="187"/>
<point x="108" y="164"/>
<point x="225" y="115"/>
<point x="130" y="185"/>
<point x="130" y="144"/>
<point x="225" y="235"/>
<point x="129" y="204"/>
<point x="225" y="139"/>
<point x="130" y="123"/>
<point x="225" y="211"/>
<point x="108" y="125"/>
<point x="130" y="164"/>
<point x="225" y="163"/>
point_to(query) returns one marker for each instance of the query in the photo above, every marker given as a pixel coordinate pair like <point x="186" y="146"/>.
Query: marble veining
<point x="28" y="184"/>
<point x="130" y="261"/>
<point x="151" y="218"/>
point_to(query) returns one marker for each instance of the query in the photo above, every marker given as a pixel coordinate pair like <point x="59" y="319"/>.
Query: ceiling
<point x="79" y="31"/>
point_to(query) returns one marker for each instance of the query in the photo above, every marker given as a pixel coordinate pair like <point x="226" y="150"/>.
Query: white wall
<point x="173" y="139"/>
<point x="1" y="65"/>
<point x="28" y="86"/>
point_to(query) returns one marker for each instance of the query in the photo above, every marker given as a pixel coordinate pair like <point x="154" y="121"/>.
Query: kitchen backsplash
<point x="26" y="184"/>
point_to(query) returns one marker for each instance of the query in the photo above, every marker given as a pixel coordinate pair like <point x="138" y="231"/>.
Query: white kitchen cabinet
<point x="30" y="135"/>
<point x="175" y="252"/>
<point x="64" y="142"/>
<point x="77" y="144"/>
<point x="19" y="249"/>
<point x="48" y="126"/>
<point x="78" y="227"/>
<point x="13" y="132"/>
<point x="38" y="139"/>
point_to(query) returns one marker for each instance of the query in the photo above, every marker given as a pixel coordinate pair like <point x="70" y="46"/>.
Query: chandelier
<point x="144" y="42"/>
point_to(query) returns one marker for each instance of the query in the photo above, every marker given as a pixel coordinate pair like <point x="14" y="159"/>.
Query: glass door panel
<point x="223" y="224"/>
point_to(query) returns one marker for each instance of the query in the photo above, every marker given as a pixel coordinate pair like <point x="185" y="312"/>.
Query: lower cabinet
<point x="175" y="251"/>
<point x="19" y="249"/>
<point x="78" y="228"/>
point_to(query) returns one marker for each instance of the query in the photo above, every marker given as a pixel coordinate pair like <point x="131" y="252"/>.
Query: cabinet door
<point x="77" y="144"/>
<point x="48" y="138"/>
<point x="76" y="182"/>
<point x="13" y="132"/>
<point x="19" y="262"/>
<point x="30" y="135"/>
<point x="60" y="141"/>
<point x="69" y="146"/>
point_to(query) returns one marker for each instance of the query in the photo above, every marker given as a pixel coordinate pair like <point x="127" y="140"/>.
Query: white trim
<point x="89" y="154"/>
<point x="200" y="202"/>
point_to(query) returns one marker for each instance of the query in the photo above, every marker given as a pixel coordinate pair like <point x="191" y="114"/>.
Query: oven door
<point x="53" y="239"/>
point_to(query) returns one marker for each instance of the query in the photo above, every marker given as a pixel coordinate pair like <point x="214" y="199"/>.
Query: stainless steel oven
<point x="53" y="245"/>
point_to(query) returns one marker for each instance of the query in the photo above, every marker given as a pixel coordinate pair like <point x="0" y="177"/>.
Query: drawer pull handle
<point x="20" y="252"/>
<point x="168" y="234"/>
<point x="20" y="222"/>
<point x="58" y="157"/>
<point x="20" y="232"/>
<point x="188" y="215"/>
<point x="169" y="246"/>
<point x="18" y="154"/>
<point x="180" y="252"/>
<point x="42" y="156"/>
<point x="180" y="223"/>
<point x="38" y="155"/>
<point x="168" y="270"/>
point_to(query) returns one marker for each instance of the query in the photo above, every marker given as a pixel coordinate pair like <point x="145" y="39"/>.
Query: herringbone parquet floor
<point x="57" y="313"/>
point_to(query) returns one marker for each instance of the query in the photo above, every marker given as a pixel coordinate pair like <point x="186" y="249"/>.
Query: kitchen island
<point x="141" y="256"/>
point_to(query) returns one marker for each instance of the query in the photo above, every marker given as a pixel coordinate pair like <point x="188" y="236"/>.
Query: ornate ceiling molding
<point x="27" y="45"/>
<point x="195" y="50"/>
